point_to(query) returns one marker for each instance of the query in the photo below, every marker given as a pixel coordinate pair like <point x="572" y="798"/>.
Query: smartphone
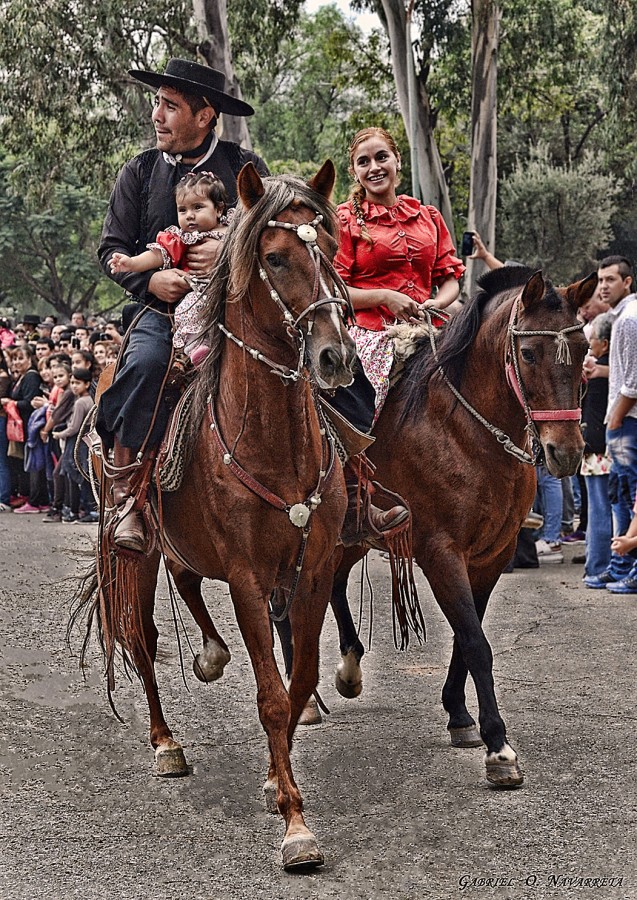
<point x="467" y="243"/>
<point x="75" y="342"/>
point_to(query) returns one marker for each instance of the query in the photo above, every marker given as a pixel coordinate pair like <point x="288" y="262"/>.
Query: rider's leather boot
<point x="129" y="532"/>
<point x="364" y="521"/>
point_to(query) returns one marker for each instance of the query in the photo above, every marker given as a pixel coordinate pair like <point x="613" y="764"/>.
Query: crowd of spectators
<point x="48" y="376"/>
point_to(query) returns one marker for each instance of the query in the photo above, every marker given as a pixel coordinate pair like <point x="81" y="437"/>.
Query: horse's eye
<point x="528" y="356"/>
<point x="274" y="260"/>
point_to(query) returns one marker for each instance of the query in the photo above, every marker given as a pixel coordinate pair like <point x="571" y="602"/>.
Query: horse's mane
<point x="456" y="337"/>
<point x="235" y="265"/>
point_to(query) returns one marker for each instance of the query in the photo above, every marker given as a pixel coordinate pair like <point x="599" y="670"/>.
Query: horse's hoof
<point x="208" y="665"/>
<point x="300" y="852"/>
<point x="270" y="791"/>
<point x="170" y="762"/>
<point x="348" y="678"/>
<point x="503" y="770"/>
<point x="311" y="714"/>
<point x="348" y="689"/>
<point x="467" y="736"/>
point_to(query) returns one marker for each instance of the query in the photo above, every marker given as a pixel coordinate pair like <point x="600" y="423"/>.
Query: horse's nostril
<point x="329" y="360"/>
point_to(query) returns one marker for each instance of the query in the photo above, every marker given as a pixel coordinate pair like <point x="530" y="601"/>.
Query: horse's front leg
<point x="299" y="847"/>
<point x="209" y="663"/>
<point x="348" y="677"/>
<point x="169" y="755"/>
<point x="462" y="727"/>
<point x="450" y="584"/>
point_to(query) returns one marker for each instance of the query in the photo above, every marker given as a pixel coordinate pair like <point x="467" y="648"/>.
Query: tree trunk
<point x="433" y="186"/>
<point x="484" y="164"/>
<point x="214" y="45"/>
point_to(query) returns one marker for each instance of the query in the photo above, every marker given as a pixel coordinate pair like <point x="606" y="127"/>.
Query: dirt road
<point x="398" y="813"/>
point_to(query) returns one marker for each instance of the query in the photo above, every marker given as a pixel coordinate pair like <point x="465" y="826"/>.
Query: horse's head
<point x="298" y="297"/>
<point x="546" y="350"/>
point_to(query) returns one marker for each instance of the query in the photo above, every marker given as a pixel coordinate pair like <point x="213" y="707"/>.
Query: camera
<point x="467" y="243"/>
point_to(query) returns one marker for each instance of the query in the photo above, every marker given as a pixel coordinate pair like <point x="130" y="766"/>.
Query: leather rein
<point x="514" y="378"/>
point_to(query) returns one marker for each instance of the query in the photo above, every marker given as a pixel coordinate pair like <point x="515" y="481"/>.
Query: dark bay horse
<point x="263" y="500"/>
<point x="515" y="354"/>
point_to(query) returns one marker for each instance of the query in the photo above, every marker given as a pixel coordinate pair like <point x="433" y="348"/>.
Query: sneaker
<point x="596" y="582"/>
<point x="53" y="515"/>
<point x="549" y="552"/>
<point x="576" y="537"/>
<point x="5" y="507"/>
<point x="533" y="520"/>
<point x="69" y="517"/>
<point x="27" y="508"/>
<point x="626" y="586"/>
<point x="18" y="500"/>
<point x="88" y="517"/>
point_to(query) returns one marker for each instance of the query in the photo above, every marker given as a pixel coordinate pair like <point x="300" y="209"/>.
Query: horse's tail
<point x="107" y="603"/>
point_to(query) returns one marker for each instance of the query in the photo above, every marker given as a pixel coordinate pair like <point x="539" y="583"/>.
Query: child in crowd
<point x="59" y="411"/>
<point x="201" y="206"/>
<point x="80" y="386"/>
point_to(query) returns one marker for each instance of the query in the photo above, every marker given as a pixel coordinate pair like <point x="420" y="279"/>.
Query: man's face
<point x="612" y="286"/>
<point x="176" y="127"/>
<point x="593" y="307"/>
<point x="56" y="332"/>
<point x="77" y="318"/>
<point x="42" y="350"/>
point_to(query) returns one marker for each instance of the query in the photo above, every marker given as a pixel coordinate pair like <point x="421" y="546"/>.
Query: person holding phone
<point x="395" y="255"/>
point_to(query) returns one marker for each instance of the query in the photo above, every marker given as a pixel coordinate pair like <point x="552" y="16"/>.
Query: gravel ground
<point x="398" y="813"/>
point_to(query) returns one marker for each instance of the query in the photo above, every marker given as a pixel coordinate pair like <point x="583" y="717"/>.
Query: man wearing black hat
<point x="132" y="417"/>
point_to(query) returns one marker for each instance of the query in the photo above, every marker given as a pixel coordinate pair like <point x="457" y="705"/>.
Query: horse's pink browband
<point x="541" y="415"/>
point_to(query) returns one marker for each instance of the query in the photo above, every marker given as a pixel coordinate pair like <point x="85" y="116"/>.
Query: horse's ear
<point x="249" y="185"/>
<point x="534" y="290"/>
<point x="581" y="292"/>
<point x="323" y="181"/>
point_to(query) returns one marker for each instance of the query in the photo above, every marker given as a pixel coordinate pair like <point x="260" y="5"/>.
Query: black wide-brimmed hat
<point x="200" y="81"/>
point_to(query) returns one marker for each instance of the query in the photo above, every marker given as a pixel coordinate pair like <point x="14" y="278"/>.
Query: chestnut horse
<point x="263" y="500"/>
<point x="510" y="363"/>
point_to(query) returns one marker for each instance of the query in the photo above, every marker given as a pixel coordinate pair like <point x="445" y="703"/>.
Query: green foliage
<point x="64" y="90"/>
<point x="48" y="252"/>
<point x="325" y="80"/>
<point x="557" y="218"/>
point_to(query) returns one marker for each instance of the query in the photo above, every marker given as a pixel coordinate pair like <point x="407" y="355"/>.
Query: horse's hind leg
<point x="208" y="665"/>
<point x="169" y="755"/>
<point x="299" y="847"/>
<point x="348" y="677"/>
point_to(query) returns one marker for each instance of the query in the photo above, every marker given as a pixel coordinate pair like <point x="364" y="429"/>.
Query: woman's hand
<point x="202" y="257"/>
<point x="38" y="402"/>
<point x="402" y="307"/>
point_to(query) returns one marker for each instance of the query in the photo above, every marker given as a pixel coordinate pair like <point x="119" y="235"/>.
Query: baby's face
<point x="196" y="212"/>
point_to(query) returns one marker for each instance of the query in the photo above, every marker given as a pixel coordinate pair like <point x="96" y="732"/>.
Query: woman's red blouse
<point x="412" y="252"/>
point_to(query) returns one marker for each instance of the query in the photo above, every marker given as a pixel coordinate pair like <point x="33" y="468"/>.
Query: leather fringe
<point x="407" y="614"/>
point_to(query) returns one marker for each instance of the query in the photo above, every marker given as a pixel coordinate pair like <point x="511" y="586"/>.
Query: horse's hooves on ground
<point x="171" y="763"/>
<point x="208" y="665"/>
<point x="311" y="714"/>
<point x="467" y="736"/>
<point x="348" y="689"/>
<point x="270" y="791"/>
<point x="503" y="771"/>
<point x="300" y="853"/>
